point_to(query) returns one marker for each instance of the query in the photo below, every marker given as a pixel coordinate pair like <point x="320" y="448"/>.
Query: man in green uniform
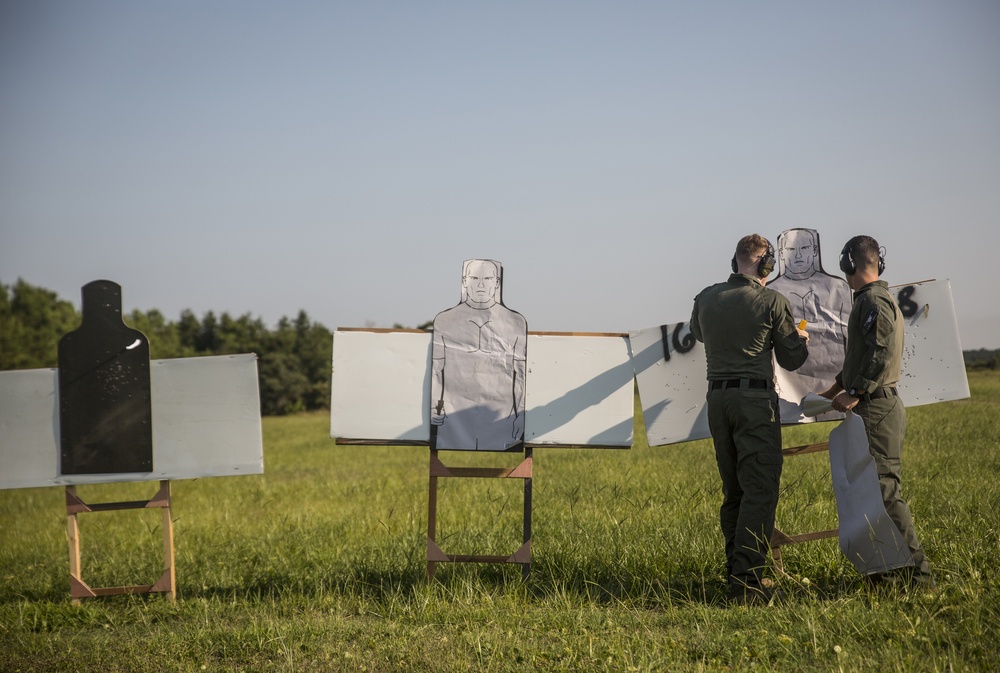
<point x="742" y="323"/>
<point x="866" y="385"/>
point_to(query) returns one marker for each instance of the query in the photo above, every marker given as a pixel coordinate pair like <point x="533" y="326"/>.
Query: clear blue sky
<point x="346" y="157"/>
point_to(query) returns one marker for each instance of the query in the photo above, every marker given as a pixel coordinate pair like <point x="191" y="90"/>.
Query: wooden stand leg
<point x="170" y="575"/>
<point x="73" y="535"/>
<point x="779" y="566"/>
<point x="431" y="516"/>
<point x="526" y="567"/>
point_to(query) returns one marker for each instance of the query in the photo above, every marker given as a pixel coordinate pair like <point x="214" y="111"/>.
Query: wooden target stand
<point x="76" y="506"/>
<point x="439" y="470"/>
<point x="780" y="539"/>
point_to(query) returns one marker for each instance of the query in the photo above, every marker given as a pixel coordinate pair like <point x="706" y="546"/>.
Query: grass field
<point x="320" y="564"/>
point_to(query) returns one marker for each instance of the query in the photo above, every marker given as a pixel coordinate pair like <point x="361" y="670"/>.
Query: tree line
<point x="982" y="358"/>
<point x="293" y="358"/>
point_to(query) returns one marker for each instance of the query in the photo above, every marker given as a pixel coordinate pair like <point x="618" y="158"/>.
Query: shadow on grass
<point x="595" y="577"/>
<point x="583" y="579"/>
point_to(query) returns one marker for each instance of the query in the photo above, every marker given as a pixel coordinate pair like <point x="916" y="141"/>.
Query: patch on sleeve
<point x="870" y="320"/>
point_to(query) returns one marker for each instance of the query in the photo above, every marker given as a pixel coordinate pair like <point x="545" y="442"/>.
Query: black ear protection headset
<point x="764" y="266"/>
<point x="850" y="267"/>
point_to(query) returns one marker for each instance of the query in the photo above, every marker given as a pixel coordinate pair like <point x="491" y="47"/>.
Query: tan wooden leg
<point x="168" y="545"/>
<point x="73" y="535"/>
<point x="431" y="517"/>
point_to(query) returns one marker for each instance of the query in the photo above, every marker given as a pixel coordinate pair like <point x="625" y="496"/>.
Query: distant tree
<point x="314" y="348"/>
<point x="188" y="329"/>
<point x="283" y="386"/>
<point x="32" y="320"/>
<point x="982" y="358"/>
<point x="426" y="326"/>
<point x="206" y="340"/>
<point x="240" y="335"/>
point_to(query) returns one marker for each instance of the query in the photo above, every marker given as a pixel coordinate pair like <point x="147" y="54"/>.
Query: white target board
<point x="579" y="389"/>
<point x="206" y="423"/>
<point x="933" y="365"/>
<point x="671" y="373"/>
<point x="380" y="389"/>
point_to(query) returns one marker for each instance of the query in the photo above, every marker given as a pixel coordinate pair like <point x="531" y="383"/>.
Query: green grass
<point x="320" y="563"/>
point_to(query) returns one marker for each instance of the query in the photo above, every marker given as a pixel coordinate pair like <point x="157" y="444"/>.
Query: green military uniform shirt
<point x="875" y="329"/>
<point x="744" y="322"/>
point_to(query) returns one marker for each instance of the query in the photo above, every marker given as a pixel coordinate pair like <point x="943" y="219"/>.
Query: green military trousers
<point x="746" y="430"/>
<point x="885" y="425"/>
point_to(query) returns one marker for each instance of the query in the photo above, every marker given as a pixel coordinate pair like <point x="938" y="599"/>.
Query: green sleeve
<point x="695" y="325"/>
<point x="877" y="325"/>
<point x="790" y="349"/>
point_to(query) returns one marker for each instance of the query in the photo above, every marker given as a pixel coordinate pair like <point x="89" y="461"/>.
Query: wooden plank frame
<point x="437" y="470"/>
<point x="75" y="506"/>
<point x="780" y="539"/>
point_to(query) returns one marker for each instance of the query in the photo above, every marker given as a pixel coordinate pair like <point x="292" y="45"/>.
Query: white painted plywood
<point x="578" y="392"/>
<point x="206" y="423"/>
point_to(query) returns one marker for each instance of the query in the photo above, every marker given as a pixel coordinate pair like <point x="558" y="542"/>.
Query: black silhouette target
<point x="105" y="412"/>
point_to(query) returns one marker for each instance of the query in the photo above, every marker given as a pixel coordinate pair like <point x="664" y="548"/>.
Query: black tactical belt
<point x="880" y="393"/>
<point x="760" y="384"/>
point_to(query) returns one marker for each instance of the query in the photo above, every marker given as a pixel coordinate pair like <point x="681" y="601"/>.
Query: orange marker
<point x="802" y="324"/>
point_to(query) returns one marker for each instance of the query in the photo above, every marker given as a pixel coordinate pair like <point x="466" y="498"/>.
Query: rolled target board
<point x="105" y="409"/>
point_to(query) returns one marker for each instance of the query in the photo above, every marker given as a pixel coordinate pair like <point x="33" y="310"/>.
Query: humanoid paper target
<point x="479" y="357"/>
<point x="105" y="411"/>
<point x="824" y="302"/>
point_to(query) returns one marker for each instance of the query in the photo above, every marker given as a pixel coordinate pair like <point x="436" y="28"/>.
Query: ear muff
<point x="849" y="266"/>
<point x="766" y="264"/>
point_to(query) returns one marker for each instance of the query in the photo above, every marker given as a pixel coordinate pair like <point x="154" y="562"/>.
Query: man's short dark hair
<point x="865" y="251"/>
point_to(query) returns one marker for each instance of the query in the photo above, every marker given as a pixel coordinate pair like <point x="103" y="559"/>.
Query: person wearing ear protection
<point x="867" y="386"/>
<point x="742" y="323"/>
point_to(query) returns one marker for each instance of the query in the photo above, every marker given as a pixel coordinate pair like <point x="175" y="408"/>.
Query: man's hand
<point x="803" y="333"/>
<point x="844" y="401"/>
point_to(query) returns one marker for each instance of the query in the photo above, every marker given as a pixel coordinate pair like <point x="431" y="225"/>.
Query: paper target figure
<point x="105" y="410"/>
<point x="824" y="302"/>
<point x="479" y="367"/>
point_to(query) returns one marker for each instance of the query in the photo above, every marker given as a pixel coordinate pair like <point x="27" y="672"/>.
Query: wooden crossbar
<point x="522" y="471"/>
<point x="808" y="448"/>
